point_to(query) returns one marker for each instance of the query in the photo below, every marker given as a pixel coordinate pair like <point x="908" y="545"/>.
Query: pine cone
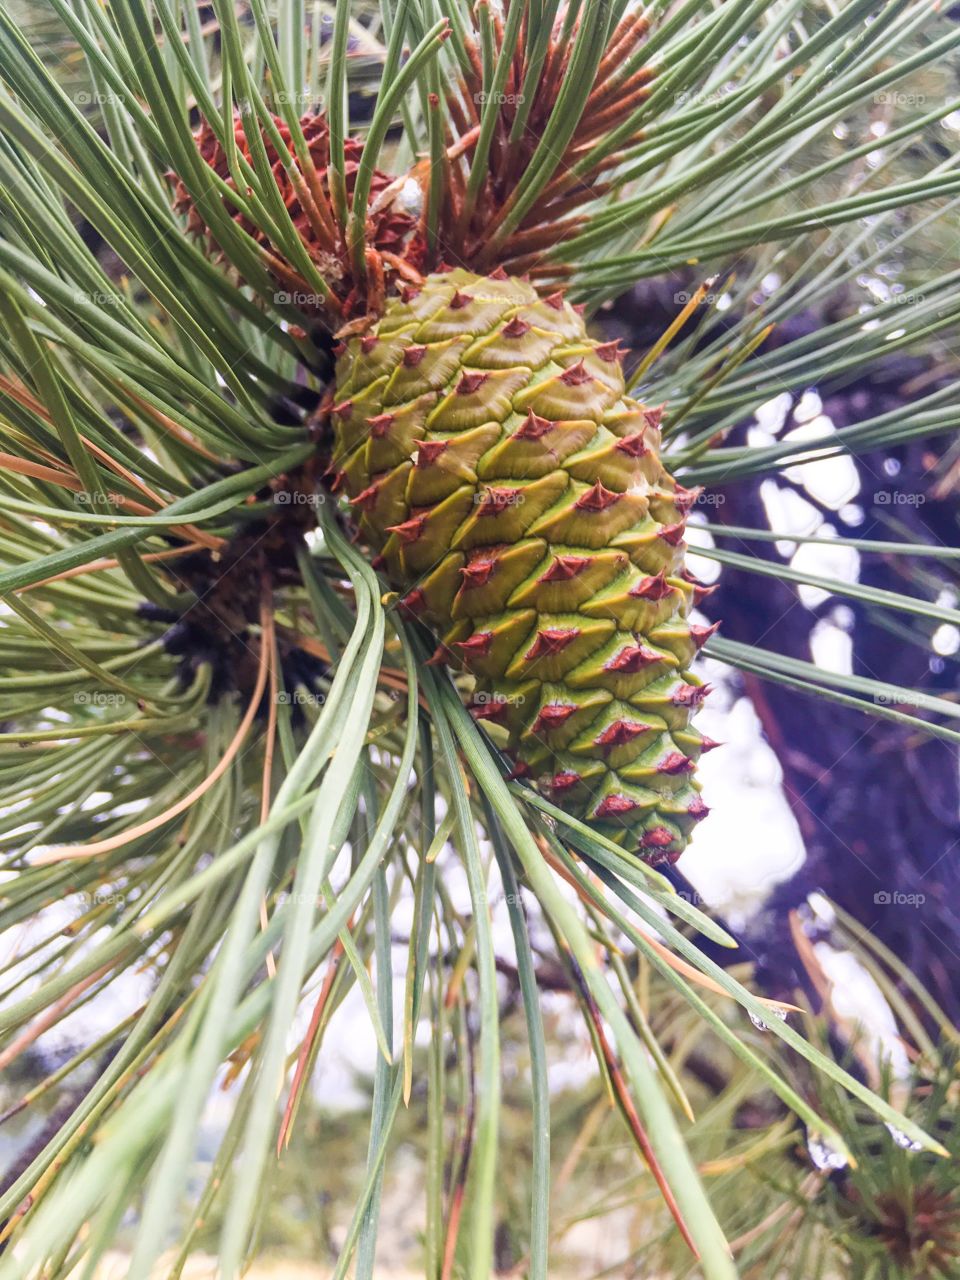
<point x="517" y="498"/>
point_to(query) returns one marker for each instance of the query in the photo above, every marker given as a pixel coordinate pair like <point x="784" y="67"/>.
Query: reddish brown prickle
<point x="516" y="328"/>
<point x="672" y="534"/>
<point x="675" y="763"/>
<point x="619" y="734"/>
<point x="632" y="658"/>
<point x="564" y="568"/>
<point x="476" y="573"/>
<point x="381" y="423"/>
<point x="684" y="499"/>
<point x="476" y="646"/>
<point x="533" y="427"/>
<point x="564" y="780"/>
<point x="552" y="716"/>
<point x="690" y="695"/>
<point x="597" y="498"/>
<point x="414" y="601"/>
<point x="366" y="498"/>
<point x="410" y="530"/>
<point x="576" y="375"/>
<point x="497" y="500"/>
<point x="551" y="640"/>
<point x="614" y="806"/>
<point x="652" y="588"/>
<point x="429" y="451"/>
<point x="470" y="383"/>
<point x="700" y="635"/>
<point x="634" y="446"/>
<point x="495" y="710"/>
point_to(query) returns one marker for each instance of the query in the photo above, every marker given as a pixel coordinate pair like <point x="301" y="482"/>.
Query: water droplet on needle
<point x="903" y="1140"/>
<point x="824" y="1155"/>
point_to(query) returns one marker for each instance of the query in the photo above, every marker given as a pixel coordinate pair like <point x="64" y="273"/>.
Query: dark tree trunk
<point x="878" y="804"/>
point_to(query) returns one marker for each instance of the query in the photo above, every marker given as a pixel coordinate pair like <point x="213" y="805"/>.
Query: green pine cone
<point x="517" y="498"/>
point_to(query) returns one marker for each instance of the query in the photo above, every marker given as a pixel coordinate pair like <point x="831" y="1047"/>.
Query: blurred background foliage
<point x="861" y="362"/>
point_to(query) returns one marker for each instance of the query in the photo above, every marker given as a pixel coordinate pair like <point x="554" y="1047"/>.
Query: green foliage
<point x="222" y="752"/>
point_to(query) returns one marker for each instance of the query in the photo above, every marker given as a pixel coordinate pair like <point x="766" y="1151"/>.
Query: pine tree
<point x="311" y="450"/>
